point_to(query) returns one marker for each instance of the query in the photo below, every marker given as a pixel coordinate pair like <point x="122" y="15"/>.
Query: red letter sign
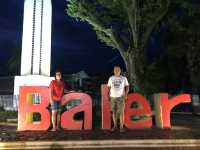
<point x="27" y="108"/>
<point x="163" y="107"/>
<point x="143" y="109"/>
<point x="67" y="118"/>
<point x="105" y="106"/>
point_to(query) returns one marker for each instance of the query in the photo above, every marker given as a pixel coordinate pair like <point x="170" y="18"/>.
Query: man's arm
<point x="109" y="91"/>
<point x="126" y="88"/>
<point x="109" y="87"/>
<point x="51" y="88"/>
<point x="51" y="100"/>
<point x="126" y="91"/>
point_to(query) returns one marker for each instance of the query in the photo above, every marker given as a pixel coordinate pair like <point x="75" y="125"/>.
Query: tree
<point x="125" y="25"/>
<point x="177" y="68"/>
<point x="183" y="39"/>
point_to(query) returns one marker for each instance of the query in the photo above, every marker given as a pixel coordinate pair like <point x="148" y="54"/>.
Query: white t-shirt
<point x="117" y="85"/>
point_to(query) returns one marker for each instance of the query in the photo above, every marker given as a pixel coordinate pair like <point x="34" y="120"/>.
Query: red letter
<point x="105" y="107"/>
<point x="67" y="118"/>
<point x="163" y="107"/>
<point x="142" y="110"/>
<point x="27" y="108"/>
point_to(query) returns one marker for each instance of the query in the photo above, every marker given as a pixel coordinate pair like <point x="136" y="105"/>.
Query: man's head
<point x="58" y="75"/>
<point x="117" y="70"/>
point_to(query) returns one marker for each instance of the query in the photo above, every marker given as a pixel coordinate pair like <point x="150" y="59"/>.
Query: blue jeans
<point x="56" y="106"/>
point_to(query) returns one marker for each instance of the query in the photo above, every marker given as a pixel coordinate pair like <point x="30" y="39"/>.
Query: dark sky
<point x="74" y="44"/>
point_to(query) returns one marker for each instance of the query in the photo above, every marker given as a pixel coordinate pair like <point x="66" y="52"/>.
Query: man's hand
<point x="125" y="96"/>
<point x="126" y="92"/>
<point x="109" y="92"/>
<point x="51" y="101"/>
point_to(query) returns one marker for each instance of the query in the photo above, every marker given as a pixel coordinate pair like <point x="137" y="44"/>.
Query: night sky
<point x="74" y="44"/>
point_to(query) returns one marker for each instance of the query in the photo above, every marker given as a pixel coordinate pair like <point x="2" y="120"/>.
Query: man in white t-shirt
<point x="118" y="91"/>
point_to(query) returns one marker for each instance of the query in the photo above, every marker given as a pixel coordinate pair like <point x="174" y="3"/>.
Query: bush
<point x="4" y="115"/>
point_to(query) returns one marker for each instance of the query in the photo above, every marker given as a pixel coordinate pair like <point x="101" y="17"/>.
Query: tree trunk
<point x="130" y="61"/>
<point x="135" y="68"/>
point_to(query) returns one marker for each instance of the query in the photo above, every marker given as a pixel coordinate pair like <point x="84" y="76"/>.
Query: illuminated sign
<point x="28" y="107"/>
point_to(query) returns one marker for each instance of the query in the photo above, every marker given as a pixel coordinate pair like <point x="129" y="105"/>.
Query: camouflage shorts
<point x="117" y="105"/>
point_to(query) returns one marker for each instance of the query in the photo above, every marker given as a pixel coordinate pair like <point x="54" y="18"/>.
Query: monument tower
<point x="36" y="46"/>
<point x="36" y="42"/>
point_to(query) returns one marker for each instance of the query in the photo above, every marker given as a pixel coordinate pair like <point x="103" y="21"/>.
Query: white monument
<point x="36" y="45"/>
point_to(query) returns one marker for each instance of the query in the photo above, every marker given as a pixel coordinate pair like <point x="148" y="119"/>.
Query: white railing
<point x="7" y="102"/>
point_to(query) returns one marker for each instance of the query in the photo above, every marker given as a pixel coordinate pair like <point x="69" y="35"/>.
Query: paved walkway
<point x="184" y="135"/>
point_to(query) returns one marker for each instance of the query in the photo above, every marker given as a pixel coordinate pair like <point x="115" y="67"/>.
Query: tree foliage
<point x="125" y="25"/>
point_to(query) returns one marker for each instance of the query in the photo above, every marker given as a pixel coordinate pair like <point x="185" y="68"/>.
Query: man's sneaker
<point x="53" y="129"/>
<point x="113" y="129"/>
<point x="122" y="130"/>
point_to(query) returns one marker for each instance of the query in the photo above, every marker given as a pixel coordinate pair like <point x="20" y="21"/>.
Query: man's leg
<point x="53" y="119"/>
<point x="121" y="120"/>
<point x="58" y="119"/>
<point x="115" y="119"/>
<point x="53" y="115"/>
<point x="114" y="115"/>
<point x="121" y="113"/>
